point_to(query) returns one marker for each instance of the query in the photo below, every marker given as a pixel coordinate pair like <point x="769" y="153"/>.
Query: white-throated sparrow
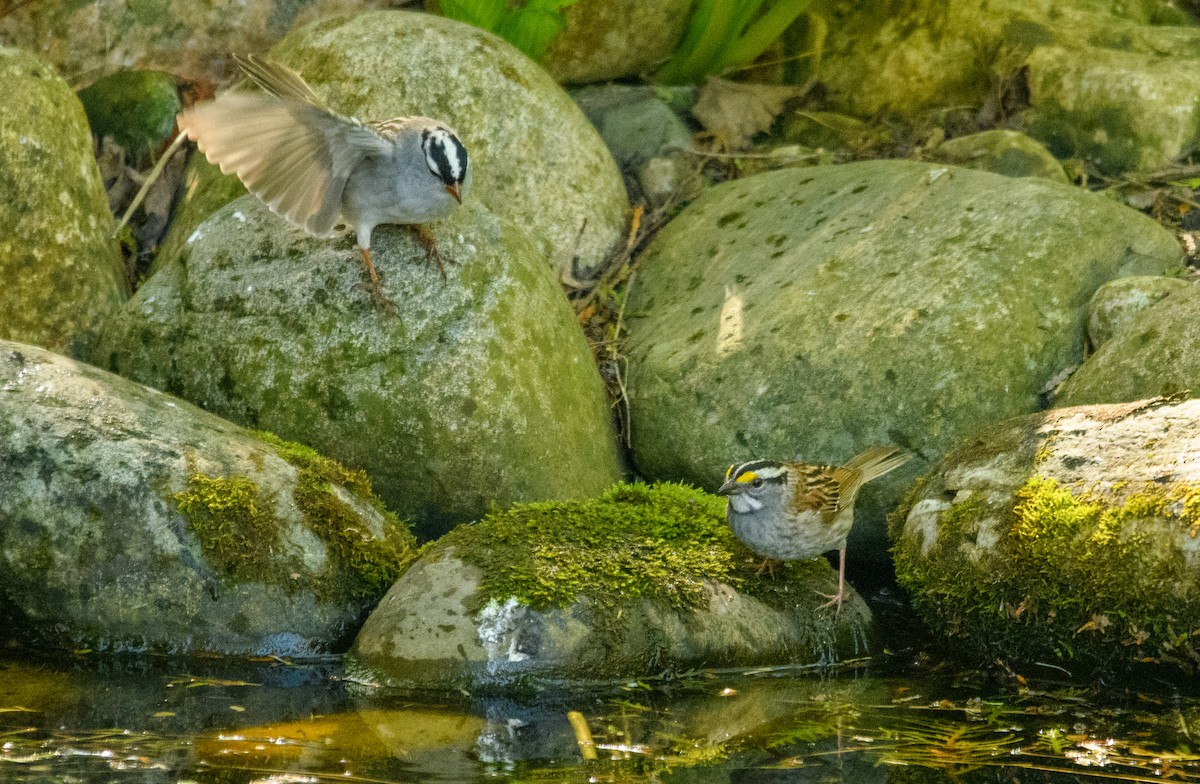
<point x="796" y="511"/>
<point x="317" y="168"/>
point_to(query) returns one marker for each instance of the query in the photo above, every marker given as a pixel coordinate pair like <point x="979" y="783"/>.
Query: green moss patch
<point x="234" y="521"/>
<point x="632" y="542"/>
<point x="1077" y="577"/>
<point x="240" y="534"/>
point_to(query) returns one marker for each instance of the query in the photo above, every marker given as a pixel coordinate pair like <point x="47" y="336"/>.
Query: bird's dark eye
<point x="756" y="483"/>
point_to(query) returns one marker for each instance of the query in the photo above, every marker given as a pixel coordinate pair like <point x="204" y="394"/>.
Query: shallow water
<point x="89" y="719"/>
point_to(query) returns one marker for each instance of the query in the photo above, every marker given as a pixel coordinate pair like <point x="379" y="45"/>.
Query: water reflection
<point x="93" y="720"/>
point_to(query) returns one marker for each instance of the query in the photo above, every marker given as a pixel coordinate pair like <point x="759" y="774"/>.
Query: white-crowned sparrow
<point x="317" y="168"/>
<point x="796" y="511"/>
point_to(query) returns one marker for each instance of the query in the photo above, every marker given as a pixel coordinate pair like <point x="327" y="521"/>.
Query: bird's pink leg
<point x="836" y="599"/>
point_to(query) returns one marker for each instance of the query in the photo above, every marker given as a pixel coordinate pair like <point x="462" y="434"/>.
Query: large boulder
<point x="62" y="272"/>
<point x="478" y="390"/>
<point x="823" y="311"/>
<point x="536" y="159"/>
<point x="133" y="521"/>
<point x="1154" y="354"/>
<point x="1066" y="537"/>
<point x="1090" y="79"/>
<point x="640" y="581"/>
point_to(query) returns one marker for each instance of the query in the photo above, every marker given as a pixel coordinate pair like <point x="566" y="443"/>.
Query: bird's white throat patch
<point x="743" y="504"/>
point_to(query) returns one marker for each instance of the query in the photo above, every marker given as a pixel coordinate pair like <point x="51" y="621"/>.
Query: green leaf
<point x="531" y="27"/>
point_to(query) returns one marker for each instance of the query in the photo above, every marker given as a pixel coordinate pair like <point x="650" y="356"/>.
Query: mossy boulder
<point x="536" y="160"/>
<point x="477" y="390"/>
<point x="1066" y="537"/>
<point x="135" y="108"/>
<point x="133" y="521"/>
<point x="823" y="311"/>
<point x="1101" y="81"/>
<point x="639" y="581"/>
<point x="1155" y="354"/>
<point x="1010" y="153"/>
<point x="612" y="39"/>
<point x="62" y="272"/>
<point x="1120" y="302"/>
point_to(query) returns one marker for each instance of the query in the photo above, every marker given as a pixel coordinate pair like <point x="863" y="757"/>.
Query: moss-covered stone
<point x="1010" y="153"/>
<point x="1120" y="302"/>
<point x="132" y="521"/>
<point x="1050" y="553"/>
<point x="62" y="272"/>
<point x="670" y="540"/>
<point x="1154" y="354"/>
<point x="136" y="108"/>
<point x="822" y="312"/>
<point x="640" y="580"/>
<point x="611" y="39"/>
<point x="477" y="390"/>
<point x="1103" y="81"/>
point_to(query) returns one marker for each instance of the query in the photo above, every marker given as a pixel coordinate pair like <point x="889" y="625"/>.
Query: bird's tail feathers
<point x="877" y="461"/>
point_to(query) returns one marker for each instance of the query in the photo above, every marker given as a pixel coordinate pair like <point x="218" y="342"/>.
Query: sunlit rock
<point x="824" y="311"/>
<point x="1066" y="537"/>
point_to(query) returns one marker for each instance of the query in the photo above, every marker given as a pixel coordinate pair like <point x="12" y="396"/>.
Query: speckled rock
<point x="821" y="312"/>
<point x="1102" y="82"/>
<point x="1010" y="153"/>
<point x="641" y="581"/>
<point x="611" y="39"/>
<point x="1120" y="302"/>
<point x="131" y="521"/>
<point x="479" y="389"/>
<point x="530" y="145"/>
<point x="1155" y="354"/>
<point x="1066" y="537"/>
<point x="62" y="273"/>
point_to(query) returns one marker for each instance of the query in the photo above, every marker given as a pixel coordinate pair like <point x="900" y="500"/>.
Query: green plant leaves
<point x="530" y="26"/>
<point x="725" y="34"/>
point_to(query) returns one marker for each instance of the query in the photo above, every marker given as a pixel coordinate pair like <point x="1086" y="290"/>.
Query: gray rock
<point x="1066" y="537"/>
<point x="62" y="272"/>
<point x="1153" y="355"/>
<point x="536" y="159"/>
<point x="823" y="311"/>
<point x="1102" y="83"/>
<point x="480" y="390"/>
<point x="1010" y="153"/>
<point x="133" y="521"/>
<point x="635" y="123"/>
<point x="638" y="582"/>
<point x="1120" y="302"/>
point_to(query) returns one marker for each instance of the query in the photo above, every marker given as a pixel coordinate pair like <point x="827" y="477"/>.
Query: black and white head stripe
<point x="765" y="470"/>
<point x="445" y="155"/>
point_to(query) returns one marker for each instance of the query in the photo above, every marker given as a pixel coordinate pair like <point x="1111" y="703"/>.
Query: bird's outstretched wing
<point x="285" y="145"/>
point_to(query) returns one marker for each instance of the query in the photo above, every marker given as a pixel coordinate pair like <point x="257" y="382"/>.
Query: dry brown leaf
<point x="737" y="110"/>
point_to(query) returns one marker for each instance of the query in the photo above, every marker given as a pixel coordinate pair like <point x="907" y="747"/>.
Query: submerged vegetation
<point x="276" y="722"/>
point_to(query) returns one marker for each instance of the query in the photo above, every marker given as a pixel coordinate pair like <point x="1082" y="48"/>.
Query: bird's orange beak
<point x="453" y="191"/>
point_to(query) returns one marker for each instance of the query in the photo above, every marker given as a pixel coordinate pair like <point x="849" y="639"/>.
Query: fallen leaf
<point x="737" y="110"/>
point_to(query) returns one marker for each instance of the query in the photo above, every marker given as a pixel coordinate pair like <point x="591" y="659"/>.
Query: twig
<point x="583" y="735"/>
<point x="150" y="178"/>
